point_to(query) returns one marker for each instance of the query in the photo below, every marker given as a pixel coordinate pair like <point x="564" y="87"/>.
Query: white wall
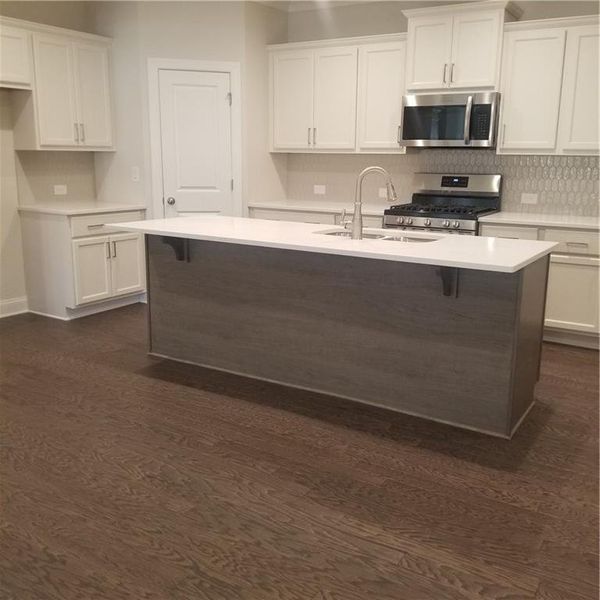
<point x="386" y="17"/>
<point x="220" y="31"/>
<point x="12" y="277"/>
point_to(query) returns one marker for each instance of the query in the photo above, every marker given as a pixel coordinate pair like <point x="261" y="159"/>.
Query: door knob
<point x="170" y="200"/>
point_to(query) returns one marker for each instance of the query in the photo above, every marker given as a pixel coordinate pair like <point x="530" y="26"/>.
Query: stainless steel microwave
<point x="450" y="120"/>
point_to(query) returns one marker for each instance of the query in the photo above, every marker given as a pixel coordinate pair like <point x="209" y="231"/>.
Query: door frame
<point x="155" y="65"/>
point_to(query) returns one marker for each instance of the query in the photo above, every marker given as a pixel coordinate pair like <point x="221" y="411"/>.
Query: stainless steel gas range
<point x="447" y="203"/>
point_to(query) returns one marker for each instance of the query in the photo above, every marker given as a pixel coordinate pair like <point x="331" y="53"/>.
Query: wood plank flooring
<point x="127" y="477"/>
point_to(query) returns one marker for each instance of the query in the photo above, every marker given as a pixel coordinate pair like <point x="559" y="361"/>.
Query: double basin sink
<point x="378" y="235"/>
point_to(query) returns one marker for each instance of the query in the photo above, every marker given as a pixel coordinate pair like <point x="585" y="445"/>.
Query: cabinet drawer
<point x="572" y="241"/>
<point x="516" y="233"/>
<point x="100" y="223"/>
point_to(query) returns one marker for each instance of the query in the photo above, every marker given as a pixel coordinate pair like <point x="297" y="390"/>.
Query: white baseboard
<point x="13" y="306"/>
<point x="572" y="338"/>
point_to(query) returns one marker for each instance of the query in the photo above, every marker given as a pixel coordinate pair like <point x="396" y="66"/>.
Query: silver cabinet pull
<point x="398" y="139"/>
<point x="107" y="249"/>
<point x="503" y="133"/>
<point x="452" y="73"/>
<point x="76" y="132"/>
<point x="578" y="244"/>
<point x="97" y="226"/>
<point x="82" y="132"/>
<point x="445" y="69"/>
<point x="114" y="249"/>
<point x="314" y="136"/>
<point x="309" y="136"/>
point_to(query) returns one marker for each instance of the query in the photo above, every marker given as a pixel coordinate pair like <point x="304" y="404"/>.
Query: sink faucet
<point x="357" y="222"/>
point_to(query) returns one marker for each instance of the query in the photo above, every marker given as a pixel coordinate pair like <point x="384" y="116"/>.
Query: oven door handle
<point x="467" y="129"/>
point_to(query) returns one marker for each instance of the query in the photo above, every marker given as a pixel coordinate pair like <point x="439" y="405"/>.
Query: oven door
<point x="450" y="120"/>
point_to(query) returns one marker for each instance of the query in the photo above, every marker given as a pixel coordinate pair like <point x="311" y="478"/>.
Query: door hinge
<point x="229" y="98"/>
<point x="232" y="184"/>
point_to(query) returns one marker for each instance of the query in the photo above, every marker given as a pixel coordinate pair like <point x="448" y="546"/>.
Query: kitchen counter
<point x="541" y="220"/>
<point x="465" y="252"/>
<point x="78" y="208"/>
<point x="448" y="330"/>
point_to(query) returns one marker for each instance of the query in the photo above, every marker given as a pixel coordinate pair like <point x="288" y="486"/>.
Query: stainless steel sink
<point x="370" y="236"/>
<point x="407" y="238"/>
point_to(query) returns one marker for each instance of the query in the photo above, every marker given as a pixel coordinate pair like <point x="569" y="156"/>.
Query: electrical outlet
<point x="60" y="190"/>
<point x="383" y="193"/>
<point x="135" y="174"/>
<point x="319" y="190"/>
<point x="529" y="198"/>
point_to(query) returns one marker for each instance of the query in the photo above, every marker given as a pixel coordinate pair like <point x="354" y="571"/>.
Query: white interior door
<point x="93" y="94"/>
<point x="195" y="128"/>
<point x="335" y="98"/>
<point x="127" y="263"/>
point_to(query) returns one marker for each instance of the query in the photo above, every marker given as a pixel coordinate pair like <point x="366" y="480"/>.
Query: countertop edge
<point x="538" y="220"/>
<point x="69" y="212"/>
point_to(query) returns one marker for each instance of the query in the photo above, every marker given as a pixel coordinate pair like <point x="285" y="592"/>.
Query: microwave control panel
<point x="481" y="117"/>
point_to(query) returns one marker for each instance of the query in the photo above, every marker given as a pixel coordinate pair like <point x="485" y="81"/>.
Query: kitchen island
<point x="445" y="327"/>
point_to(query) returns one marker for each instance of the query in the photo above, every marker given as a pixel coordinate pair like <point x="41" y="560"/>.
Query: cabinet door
<point x="127" y="263"/>
<point x="579" y="126"/>
<point x="380" y="89"/>
<point x="335" y="98"/>
<point x="292" y="97"/>
<point x="91" y="263"/>
<point x="476" y="42"/>
<point x="428" y="52"/>
<point x="55" y="92"/>
<point x="93" y="94"/>
<point x="531" y="83"/>
<point x="572" y="301"/>
<point x="15" y="57"/>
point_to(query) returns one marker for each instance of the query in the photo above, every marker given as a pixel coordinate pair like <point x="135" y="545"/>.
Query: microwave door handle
<point x="467" y="129"/>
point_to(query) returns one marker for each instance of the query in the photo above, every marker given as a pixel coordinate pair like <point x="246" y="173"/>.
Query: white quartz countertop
<point x="78" y="208"/>
<point x="369" y="209"/>
<point x="468" y="252"/>
<point x="541" y="220"/>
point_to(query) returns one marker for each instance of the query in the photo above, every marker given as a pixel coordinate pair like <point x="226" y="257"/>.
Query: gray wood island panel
<point x="460" y="346"/>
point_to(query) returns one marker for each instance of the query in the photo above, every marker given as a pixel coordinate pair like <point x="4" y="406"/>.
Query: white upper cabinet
<point x="292" y="81"/>
<point x="380" y="89"/>
<point x="429" y="52"/>
<point x="454" y="47"/>
<point x="476" y="44"/>
<point x="55" y="91"/>
<point x="531" y="89"/>
<point x="578" y="123"/>
<point x="15" y="57"/>
<point x="335" y="98"/>
<point x="92" y="86"/>
<point x="63" y="100"/>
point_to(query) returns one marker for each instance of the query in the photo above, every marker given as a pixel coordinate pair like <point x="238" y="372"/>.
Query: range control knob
<point x="409" y="221"/>
<point x="446" y="223"/>
<point x="456" y="224"/>
<point x="427" y="222"/>
<point x="400" y="220"/>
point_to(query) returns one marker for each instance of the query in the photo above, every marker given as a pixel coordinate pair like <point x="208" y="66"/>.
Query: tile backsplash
<point x="564" y="184"/>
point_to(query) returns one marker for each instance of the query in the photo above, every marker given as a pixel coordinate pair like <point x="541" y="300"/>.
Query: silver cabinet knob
<point x="170" y="200"/>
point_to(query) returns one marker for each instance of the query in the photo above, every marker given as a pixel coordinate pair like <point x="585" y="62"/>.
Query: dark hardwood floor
<point x="126" y="477"/>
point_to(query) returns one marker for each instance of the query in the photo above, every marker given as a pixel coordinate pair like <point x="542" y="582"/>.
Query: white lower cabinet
<point x="572" y="300"/>
<point x="573" y="293"/>
<point x="107" y="266"/>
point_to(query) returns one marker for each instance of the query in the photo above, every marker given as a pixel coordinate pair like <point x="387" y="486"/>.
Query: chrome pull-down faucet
<point x="357" y="221"/>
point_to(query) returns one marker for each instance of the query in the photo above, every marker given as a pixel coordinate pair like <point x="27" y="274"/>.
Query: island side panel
<point x="528" y="339"/>
<point x="377" y="331"/>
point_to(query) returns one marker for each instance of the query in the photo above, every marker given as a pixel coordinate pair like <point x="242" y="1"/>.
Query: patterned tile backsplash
<point x="564" y="184"/>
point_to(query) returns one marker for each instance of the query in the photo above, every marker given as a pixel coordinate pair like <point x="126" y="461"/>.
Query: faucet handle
<point x="343" y="221"/>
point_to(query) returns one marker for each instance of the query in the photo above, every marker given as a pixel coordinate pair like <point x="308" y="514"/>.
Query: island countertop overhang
<point x="458" y="251"/>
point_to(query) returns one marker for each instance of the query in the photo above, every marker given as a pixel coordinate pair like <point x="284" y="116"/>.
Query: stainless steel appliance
<point x="448" y="203"/>
<point x="450" y="120"/>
